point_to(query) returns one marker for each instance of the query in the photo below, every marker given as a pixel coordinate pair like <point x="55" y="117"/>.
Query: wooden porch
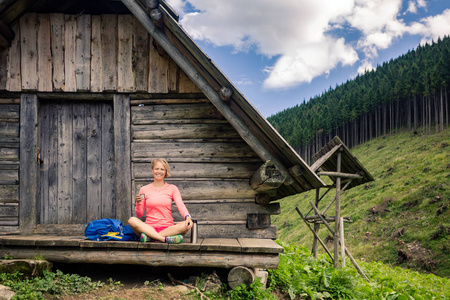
<point x="208" y="252"/>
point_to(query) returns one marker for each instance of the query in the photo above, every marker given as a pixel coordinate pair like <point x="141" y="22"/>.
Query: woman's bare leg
<point x="140" y="227"/>
<point x="179" y="228"/>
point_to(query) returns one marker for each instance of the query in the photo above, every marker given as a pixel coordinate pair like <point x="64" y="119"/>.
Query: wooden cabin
<point x="90" y="93"/>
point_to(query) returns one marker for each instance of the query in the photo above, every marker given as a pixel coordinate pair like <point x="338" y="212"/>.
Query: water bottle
<point x="194" y="232"/>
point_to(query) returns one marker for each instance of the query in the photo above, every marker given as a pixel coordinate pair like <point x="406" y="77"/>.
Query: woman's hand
<point x="138" y="198"/>
<point x="188" y="222"/>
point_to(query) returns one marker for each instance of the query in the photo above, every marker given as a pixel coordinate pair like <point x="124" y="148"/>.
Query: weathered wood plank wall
<point x="56" y="52"/>
<point x="9" y="163"/>
<point x="211" y="163"/>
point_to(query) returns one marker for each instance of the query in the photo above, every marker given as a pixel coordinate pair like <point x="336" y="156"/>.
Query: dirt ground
<point x="137" y="282"/>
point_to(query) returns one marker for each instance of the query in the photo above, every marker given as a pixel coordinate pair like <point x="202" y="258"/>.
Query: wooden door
<point x="77" y="174"/>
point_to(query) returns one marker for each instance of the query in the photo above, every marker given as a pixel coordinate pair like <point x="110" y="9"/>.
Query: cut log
<point x="225" y="93"/>
<point x="157" y="17"/>
<point x="267" y="177"/>
<point x="151" y="4"/>
<point x="240" y="275"/>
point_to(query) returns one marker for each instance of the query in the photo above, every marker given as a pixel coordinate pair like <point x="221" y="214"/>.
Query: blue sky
<point x="280" y="53"/>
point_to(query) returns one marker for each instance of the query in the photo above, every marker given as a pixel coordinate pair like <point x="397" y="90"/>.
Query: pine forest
<point x="410" y="92"/>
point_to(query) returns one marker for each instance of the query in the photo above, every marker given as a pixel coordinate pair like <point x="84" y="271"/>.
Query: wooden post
<point x="334" y="199"/>
<point x="122" y="153"/>
<point x="28" y="167"/>
<point x="316" y="227"/>
<point x="315" y="235"/>
<point x="341" y="233"/>
<point x="346" y="250"/>
<point x="338" y="212"/>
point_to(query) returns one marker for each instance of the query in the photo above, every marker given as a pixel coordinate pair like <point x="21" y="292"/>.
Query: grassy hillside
<point x="403" y="217"/>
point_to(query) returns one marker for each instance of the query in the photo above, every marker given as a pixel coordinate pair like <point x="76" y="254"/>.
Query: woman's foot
<point x="174" y="239"/>
<point x="144" y="238"/>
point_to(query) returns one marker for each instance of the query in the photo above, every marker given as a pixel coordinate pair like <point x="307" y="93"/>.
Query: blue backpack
<point x="109" y="230"/>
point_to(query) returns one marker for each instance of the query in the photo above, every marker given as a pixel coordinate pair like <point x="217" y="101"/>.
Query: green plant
<point x="299" y="274"/>
<point x="7" y="256"/>
<point x="50" y="283"/>
<point x="254" y="291"/>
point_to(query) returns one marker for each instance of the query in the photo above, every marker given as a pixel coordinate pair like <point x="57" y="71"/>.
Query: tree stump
<point x="240" y="275"/>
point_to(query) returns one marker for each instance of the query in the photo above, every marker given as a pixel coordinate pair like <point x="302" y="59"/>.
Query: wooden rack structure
<point x="345" y="171"/>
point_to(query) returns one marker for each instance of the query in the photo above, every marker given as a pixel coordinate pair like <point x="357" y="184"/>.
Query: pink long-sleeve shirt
<point x="159" y="204"/>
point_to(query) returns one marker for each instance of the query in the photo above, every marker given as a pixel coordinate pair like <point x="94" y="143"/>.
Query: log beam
<point x="225" y="93"/>
<point x="267" y="177"/>
<point x="315" y="218"/>
<point x="157" y="17"/>
<point x="340" y="174"/>
<point x="151" y="4"/>
<point x="152" y="258"/>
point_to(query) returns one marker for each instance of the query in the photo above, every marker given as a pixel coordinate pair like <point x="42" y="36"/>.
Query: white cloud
<point x="294" y="30"/>
<point x="366" y="66"/>
<point x="412" y="8"/>
<point x="303" y="64"/>
<point x="304" y="33"/>
<point x="178" y="5"/>
<point x="432" y="27"/>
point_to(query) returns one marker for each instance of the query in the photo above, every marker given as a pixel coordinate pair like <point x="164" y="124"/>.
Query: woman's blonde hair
<point x="165" y="164"/>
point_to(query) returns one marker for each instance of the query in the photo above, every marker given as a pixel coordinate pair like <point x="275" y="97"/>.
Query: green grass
<point x="410" y="198"/>
<point x="299" y="274"/>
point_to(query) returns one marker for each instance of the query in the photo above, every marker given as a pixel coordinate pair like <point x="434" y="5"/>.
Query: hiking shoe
<point x="174" y="239"/>
<point x="144" y="238"/>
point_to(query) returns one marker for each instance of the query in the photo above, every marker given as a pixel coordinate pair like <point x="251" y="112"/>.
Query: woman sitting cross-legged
<point x="158" y="197"/>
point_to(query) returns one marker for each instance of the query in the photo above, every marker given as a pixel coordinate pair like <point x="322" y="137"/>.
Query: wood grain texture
<point x="70" y="33"/>
<point x="109" y="52"/>
<point x="140" y="56"/>
<point x="122" y="148"/>
<point x="4" y="57"/>
<point x="57" y="49"/>
<point x="14" y="80"/>
<point x="79" y="140"/>
<point x="94" y="179"/>
<point x="65" y="167"/>
<point x="125" y="74"/>
<point x="96" y="55"/>
<point x="28" y="51"/>
<point x="192" y="150"/>
<point x="28" y="166"/>
<point x="148" y="257"/>
<point x="158" y="73"/>
<point x="9" y="194"/>
<point x="108" y="162"/>
<point x="44" y="54"/>
<point x="83" y="52"/>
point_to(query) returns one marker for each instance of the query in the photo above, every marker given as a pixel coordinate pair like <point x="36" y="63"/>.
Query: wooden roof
<point x="326" y="160"/>
<point x="241" y="114"/>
